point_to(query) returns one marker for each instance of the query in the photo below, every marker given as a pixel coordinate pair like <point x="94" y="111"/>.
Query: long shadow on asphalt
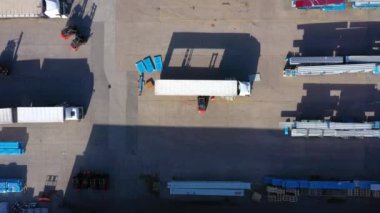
<point x="126" y="152"/>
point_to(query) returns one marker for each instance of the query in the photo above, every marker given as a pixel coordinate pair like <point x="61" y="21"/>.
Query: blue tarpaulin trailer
<point x="148" y="64"/>
<point x="11" y="185"/>
<point x="158" y="63"/>
<point x="11" y="148"/>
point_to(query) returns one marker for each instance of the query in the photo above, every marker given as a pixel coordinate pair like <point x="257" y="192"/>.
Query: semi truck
<point x="331" y="60"/>
<point x="57" y="114"/>
<point x="322" y="128"/>
<point x="353" y="59"/>
<point x="331" y="65"/>
<point x="225" y="88"/>
<point x="35" y="8"/>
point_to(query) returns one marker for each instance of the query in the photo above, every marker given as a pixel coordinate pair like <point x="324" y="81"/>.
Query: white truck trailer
<point x="331" y="129"/>
<point x="40" y="114"/>
<point x="316" y="60"/>
<point x="226" y="88"/>
<point x="34" y="8"/>
<point x="48" y="114"/>
<point x="352" y="59"/>
<point x="6" y="116"/>
<point x="332" y="69"/>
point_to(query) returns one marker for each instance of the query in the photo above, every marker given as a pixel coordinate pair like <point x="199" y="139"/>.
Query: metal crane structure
<point x="320" y="128"/>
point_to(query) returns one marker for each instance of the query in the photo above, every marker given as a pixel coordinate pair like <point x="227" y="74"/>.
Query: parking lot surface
<point x="127" y="135"/>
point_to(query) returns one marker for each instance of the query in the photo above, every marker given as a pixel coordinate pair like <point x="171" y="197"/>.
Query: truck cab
<point x="244" y="88"/>
<point x="73" y="113"/>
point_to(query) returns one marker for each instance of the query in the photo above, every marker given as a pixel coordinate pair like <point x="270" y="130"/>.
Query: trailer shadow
<point x="211" y="56"/>
<point x="57" y="82"/>
<point x="339" y="38"/>
<point x="338" y="102"/>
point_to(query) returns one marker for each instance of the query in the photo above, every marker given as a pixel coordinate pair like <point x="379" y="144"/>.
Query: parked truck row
<point x="57" y="114"/>
<point x="331" y="65"/>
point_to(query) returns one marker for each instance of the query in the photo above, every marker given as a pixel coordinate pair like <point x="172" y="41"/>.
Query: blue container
<point x="140" y="67"/>
<point x="158" y="63"/>
<point x="148" y="64"/>
<point x="10" y="145"/>
<point x="11" y="148"/>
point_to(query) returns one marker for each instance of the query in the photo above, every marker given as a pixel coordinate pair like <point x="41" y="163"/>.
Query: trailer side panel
<point x="40" y="114"/>
<point x="6" y="116"/>
<point x="196" y="87"/>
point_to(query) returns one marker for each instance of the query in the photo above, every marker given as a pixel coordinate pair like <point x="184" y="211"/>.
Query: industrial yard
<point x="302" y="137"/>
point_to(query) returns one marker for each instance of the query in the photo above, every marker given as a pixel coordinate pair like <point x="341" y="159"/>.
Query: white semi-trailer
<point x="6" y="116"/>
<point x="351" y="59"/>
<point x="226" y="88"/>
<point x="34" y="8"/>
<point x="40" y="114"/>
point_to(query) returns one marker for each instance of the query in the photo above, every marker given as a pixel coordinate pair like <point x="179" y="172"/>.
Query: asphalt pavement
<point x="127" y="135"/>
